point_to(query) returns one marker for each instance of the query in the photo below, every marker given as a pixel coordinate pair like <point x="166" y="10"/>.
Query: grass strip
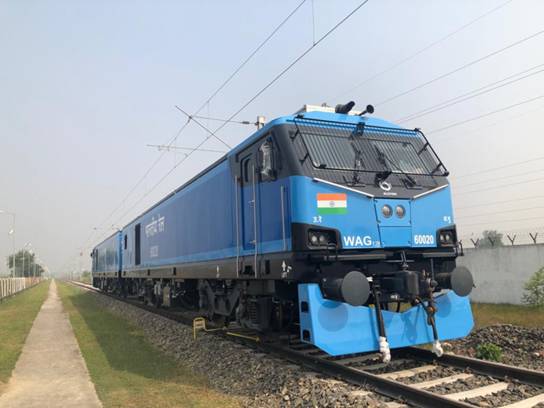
<point x="126" y="369"/>
<point x="486" y="314"/>
<point x="17" y="313"/>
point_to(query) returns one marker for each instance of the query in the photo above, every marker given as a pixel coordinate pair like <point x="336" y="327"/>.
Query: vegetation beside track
<point x="17" y="314"/>
<point x="486" y="314"/>
<point x="126" y="369"/>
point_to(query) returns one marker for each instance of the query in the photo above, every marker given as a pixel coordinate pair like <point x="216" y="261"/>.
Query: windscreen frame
<point x="351" y="131"/>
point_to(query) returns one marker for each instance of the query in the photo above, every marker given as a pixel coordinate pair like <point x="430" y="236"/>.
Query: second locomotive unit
<point x="327" y="221"/>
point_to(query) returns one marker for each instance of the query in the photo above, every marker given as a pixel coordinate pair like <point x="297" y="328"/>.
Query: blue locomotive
<point x="326" y="221"/>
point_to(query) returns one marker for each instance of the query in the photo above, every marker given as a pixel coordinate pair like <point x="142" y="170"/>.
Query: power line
<point x="472" y="94"/>
<point x="517" y="199"/>
<point x="212" y="134"/>
<point x="520" y="230"/>
<point x="500" y="212"/>
<point x="498" y="122"/>
<point x="502" y="221"/>
<point x="240" y="122"/>
<point x="477" y="173"/>
<point x="165" y="147"/>
<point x="500" y="186"/>
<point x="412" y="56"/>
<point x="208" y="100"/>
<point x="500" y="178"/>
<point x="295" y="61"/>
<point x="485" y="115"/>
<point x="268" y="85"/>
<point x="462" y="67"/>
<point x="261" y="45"/>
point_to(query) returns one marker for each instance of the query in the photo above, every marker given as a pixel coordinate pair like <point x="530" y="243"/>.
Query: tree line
<point x="25" y="264"/>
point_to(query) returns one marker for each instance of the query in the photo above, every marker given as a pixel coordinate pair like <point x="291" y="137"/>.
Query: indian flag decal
<point x="332" y="203"/>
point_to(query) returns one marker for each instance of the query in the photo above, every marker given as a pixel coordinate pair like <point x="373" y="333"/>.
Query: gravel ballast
<point x="257" y="379"/>
<point x="521" y="346"/>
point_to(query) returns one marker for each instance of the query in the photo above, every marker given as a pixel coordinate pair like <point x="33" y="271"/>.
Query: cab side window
<point x="268" y="160"/>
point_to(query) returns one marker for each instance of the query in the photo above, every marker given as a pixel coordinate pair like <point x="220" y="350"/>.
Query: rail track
<point x="401" y="380"/>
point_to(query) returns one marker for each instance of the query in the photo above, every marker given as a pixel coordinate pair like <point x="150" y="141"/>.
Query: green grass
<point x="17" y="314"/>
<point x="85" y="279"/>
<point x="126" y="369"/>
<point x="486" y="314"/>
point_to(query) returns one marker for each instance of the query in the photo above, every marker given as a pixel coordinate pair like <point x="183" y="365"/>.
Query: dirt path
<point x="50" y="371"/>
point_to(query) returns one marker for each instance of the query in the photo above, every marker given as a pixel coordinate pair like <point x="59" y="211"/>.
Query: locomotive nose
<point x="352" y="288"/>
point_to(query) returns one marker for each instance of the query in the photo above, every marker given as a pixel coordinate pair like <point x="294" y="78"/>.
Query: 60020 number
<point x="424" y="239"/>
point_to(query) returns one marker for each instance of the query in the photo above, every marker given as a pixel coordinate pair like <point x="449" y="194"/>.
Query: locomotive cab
<point x="372" y="223"/>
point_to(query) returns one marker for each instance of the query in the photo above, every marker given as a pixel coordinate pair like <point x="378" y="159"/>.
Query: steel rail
<point x="395" y="390"/>
<point x="390" y="388"/>
<point x="484" y="367"/>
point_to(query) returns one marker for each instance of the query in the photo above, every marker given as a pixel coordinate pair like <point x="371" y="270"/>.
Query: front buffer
<point x="339" y="328"/>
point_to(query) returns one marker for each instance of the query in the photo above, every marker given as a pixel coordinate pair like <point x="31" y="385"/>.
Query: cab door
<point x="249" y="208"/>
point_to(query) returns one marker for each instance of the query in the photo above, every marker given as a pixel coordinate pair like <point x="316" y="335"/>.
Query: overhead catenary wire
<point x="505" y="166"/>
<point x="493" y="179"/>
<point x="422" y="50"/>
<point x="253" y="98"/>
<point x="250" y="56"/>
<point x="239" y="122"/>
<point x="519" y="230"/>
<point x="206" y="103"/>
<point x="472" y="94"/>
<point x="495" y="123"/>
<point x="462" y="122"/>
<point x="462" y="67"/>
<point x="488" y="204"/>
<point x="502" y="221"/>
<point x="500" y="186"/>
<point x="161" y="147"/>
<point x="205" y="128"/>
<point x="500" y="212"/>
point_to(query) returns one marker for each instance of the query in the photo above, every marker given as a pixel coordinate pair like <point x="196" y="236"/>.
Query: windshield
<point x="368" y="148"/>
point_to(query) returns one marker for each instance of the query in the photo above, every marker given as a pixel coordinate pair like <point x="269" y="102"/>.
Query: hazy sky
<point x="84" y="86"/>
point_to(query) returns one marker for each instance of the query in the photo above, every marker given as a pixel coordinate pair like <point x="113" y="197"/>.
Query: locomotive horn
<point x="352" y="288"/>
<point x="344" y="108"/>
<point x="460" y="281"/>
<point x="369" y="109"/>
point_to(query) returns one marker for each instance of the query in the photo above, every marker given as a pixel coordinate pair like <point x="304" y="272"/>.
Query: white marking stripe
<point x="395" y="405"/>
<point x="527" y="403"/>
<point x="440" y="381"/>
<point x="332" y="204"/>
<point x="408" y="373"/>
<point x="478" y="392"/>
<point x="359" y="393"/>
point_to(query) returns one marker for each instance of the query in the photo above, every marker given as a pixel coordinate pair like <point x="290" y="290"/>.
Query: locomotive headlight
<point x="323" y="239"/>
<point x="446" y="237"/>
<point x="401" y="212"/>
<point x="319" y="238"/>
<point x="387" y="211"/>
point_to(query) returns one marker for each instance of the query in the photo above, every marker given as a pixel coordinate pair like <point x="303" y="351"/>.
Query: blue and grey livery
<point x="322" y="222"/>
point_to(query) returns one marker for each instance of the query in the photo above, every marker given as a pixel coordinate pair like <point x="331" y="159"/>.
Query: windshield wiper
<point x="383" y="159"/>
<point x="357" y="163"/>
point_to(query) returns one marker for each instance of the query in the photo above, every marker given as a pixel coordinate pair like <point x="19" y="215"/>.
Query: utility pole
<point x="12" y="233"/>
